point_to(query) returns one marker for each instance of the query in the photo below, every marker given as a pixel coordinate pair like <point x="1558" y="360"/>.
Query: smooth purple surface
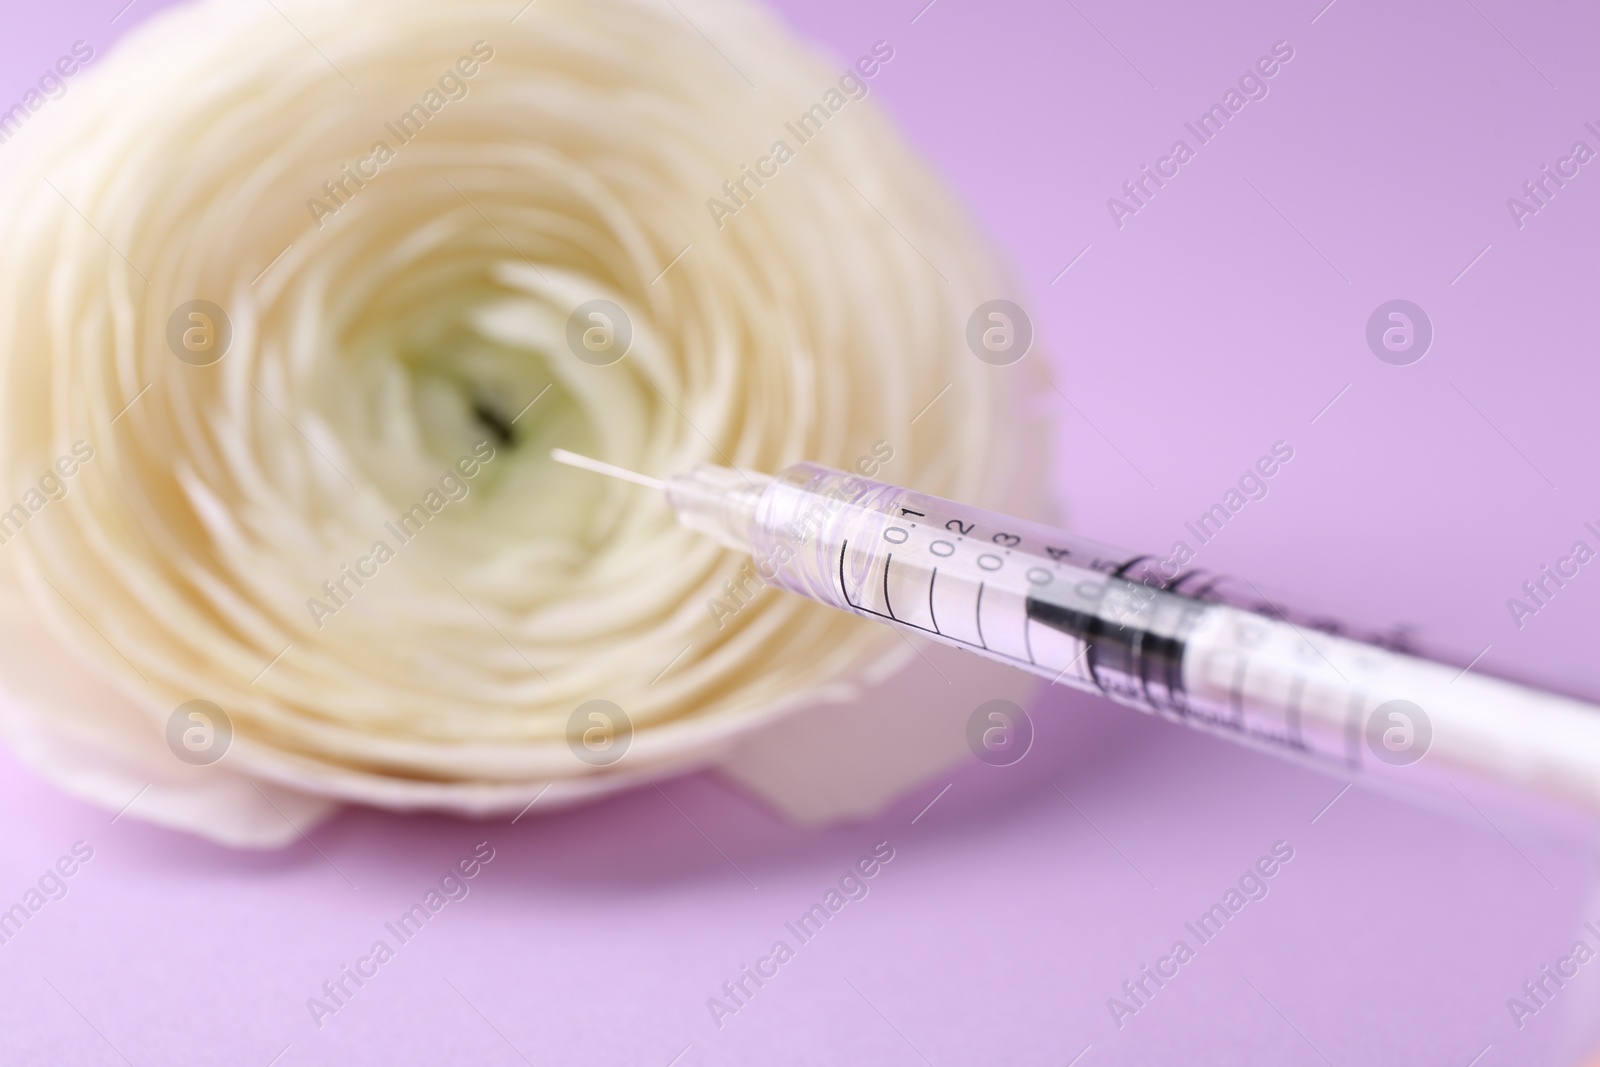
<point x="1222" y="317"/>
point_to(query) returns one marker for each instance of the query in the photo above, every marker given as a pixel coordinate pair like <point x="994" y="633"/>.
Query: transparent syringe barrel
<point x="1181" y="644"/>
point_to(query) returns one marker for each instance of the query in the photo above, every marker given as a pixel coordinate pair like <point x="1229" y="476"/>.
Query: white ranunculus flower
<point x="296" y="298"/>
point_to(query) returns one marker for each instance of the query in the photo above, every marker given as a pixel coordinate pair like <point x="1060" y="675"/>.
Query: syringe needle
<point x="572" y="459"/>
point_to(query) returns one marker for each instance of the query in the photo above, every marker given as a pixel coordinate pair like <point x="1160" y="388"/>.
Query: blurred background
<point x="1223" y="313"/>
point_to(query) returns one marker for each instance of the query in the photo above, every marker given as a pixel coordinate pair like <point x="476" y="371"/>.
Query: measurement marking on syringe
<point x="1352" y="729"/>
<point x="1142" y="662"/>
<point x="977" y="617"/>
<point x="1296" y="694"/>
<point x="1236" y="694"/>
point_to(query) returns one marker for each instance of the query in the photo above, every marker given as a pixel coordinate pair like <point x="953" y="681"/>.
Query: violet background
<point x="1223" y="317"/>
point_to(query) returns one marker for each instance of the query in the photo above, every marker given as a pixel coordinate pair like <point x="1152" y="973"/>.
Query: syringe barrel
<point x="1152" y="634"/>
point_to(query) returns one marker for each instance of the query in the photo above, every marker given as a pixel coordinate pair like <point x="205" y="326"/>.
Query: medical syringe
<point x="1188" y="646"/>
